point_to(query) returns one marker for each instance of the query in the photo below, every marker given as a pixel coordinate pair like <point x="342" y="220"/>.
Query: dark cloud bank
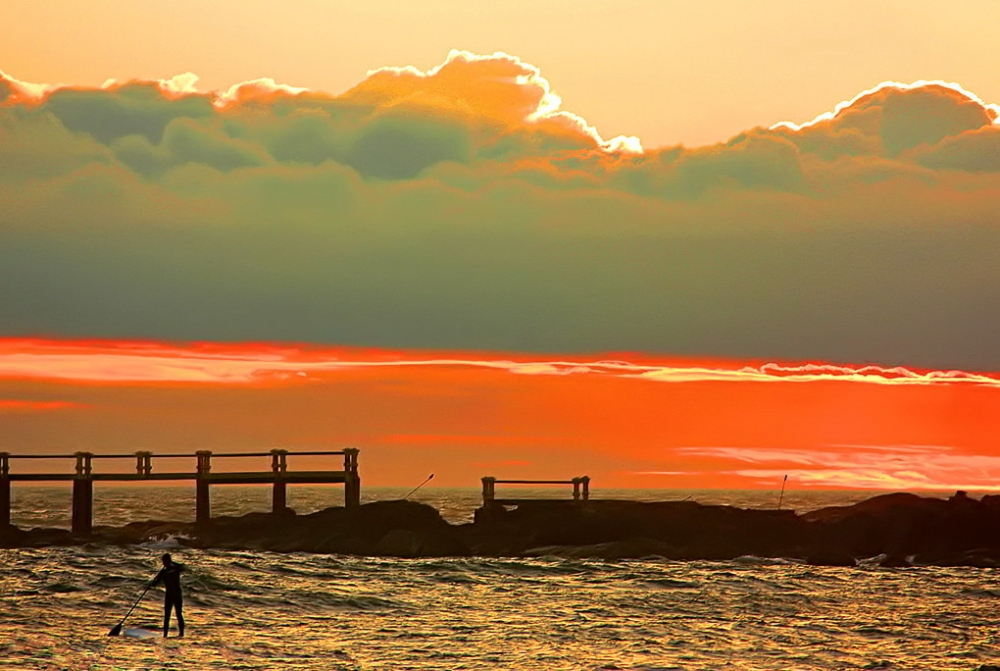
<point x="461" y="209"/>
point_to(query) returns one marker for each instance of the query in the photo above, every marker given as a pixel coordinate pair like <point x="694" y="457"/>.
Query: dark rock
<point x="11" y="536"/>
<point x="977" y="558"/>
<point x="906" y="524"/>
<point x="707" y="532"/>
<point x="633" y="549"/>
<point x="900" y="528"/>
<point x="894" y="561"/>
<point x="399" y="543"/>
<point x="830" y="557"/>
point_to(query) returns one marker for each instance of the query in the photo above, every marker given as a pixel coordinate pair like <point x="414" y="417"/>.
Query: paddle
<point x="117" y="629"/>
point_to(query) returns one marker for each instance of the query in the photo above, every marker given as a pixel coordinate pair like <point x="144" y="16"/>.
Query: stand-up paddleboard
<point x="139" y="632"/>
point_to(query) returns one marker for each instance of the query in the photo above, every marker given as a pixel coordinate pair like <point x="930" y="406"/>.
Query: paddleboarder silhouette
<point x="170" y="576"/>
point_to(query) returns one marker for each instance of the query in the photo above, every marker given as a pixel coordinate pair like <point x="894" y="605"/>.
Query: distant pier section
<point x="494" y="506"/>
<point x="84" y="477"/>
<point x="581" y="490"/>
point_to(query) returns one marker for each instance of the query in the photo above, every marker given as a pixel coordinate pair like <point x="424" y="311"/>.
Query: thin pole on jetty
<point x="82" y="516"/>
<point x="414" y="490"/>
<point x="782" y="495"/>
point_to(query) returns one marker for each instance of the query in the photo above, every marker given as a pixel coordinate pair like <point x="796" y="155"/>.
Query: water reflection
<point x="269" y="611"/>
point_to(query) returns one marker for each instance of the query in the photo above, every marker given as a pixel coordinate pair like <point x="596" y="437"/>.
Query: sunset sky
<point x="666" y="244"/>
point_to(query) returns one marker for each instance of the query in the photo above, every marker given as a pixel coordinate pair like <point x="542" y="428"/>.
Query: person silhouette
<point x="170" y="576"/>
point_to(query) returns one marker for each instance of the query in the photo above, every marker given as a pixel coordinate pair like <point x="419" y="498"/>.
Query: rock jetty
<point x="897" y="530"/>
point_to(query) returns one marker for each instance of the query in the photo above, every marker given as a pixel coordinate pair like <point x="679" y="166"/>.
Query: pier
<point x="493" y="507"/>
<point x="581" y="490"/>
<point x="84" y="477"/>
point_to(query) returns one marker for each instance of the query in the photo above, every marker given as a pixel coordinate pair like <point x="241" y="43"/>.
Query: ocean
<point x="258" y="610"/>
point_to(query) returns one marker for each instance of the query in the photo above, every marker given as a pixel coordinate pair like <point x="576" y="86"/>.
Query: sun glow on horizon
<point x="254" y="363"/>
<point x="639" y="423"/>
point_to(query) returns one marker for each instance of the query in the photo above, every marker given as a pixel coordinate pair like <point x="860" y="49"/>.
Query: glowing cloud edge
<point x="920" y="83"/>
<point x="549" y="107"/>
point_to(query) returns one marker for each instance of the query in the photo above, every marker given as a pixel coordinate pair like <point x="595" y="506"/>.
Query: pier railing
<point x="581" y="489"/>
<point x="84" y="477"/>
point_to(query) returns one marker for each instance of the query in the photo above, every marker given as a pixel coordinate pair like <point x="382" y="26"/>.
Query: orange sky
<point x="627" y="421"/>
<point x="454" y="190"/>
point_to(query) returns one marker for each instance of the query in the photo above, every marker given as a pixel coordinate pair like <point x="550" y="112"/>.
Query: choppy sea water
<point x="252" y="610"/>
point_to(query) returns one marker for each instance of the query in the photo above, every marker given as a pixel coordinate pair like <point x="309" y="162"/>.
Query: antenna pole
<point x="412" y="491"/>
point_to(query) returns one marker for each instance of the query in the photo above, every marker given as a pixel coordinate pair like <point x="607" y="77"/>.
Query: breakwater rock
<point x="894" y="529"/>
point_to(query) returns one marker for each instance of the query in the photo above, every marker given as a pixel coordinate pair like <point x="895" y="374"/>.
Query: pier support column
<point x="279" y="495"/>
<point x="83" y="495"/>
<point x="489" y="490"/>
<point x="352" y="479"/>
<point x="4" y="489"/>
<point x="585" y="481"/>
<point x="202" y="498"/>
<point x="143" y="463"/>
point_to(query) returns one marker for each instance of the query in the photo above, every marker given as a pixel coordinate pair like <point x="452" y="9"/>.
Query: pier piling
<point x="202" y="496"/>
<point x="489" y="489"/>
<point x="143" y="463"/>
<point x="4" y="489"/>
<point x="83" y="494"/>
<point x="279" y="466"/>
<point x="352" y="480"/>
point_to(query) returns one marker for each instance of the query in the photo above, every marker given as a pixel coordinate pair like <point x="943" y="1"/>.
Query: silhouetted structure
<point x="494" y="507"/>
<point x="279" y="476"/>
<point x="581" y="489"/>
<point x="173" y="597"/>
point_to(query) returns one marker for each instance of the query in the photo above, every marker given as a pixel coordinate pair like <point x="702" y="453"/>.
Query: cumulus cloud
<point x="915" y="132"/>
<point x="974" y="151"/>
<point x="13" y="90"/>
<point x="498" y="91"/>
<point x="898" y="116"/>
<point x="462" y="207"/>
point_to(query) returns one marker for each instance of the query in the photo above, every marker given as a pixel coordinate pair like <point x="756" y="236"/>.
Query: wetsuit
<point x="170" y="576"/>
